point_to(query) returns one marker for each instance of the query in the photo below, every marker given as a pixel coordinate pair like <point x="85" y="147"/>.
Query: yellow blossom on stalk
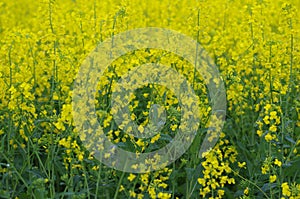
<point x="131" y="177"/>
<point x="216" y="170"/>
<point x="221" y="193"/>
<point x="140" y="143"/>
<point x="163" y="195"/>
<point x="272" y="178"/>
<point x="155" y="138"/>
<point x="174" y="127"/>
<point x="121" y="188"/>
<point x="242" y="164"/>
<point x="151" y="191"/>
<point x="295" y="151"/>
<point x="285" y="189"/>
<point x="246" y="191"/>
<point x="132" y="193"/>
<point x="265" y="169"/>
<point x="266" y="119"/>
<point x="277" y="162"/>
<point x="260" y="124"/>
<point x="273" y="128"/>
<point x="268" y="137"/>
<point x="259" y="133"/>
<point x="273" y="115"/>
<point x="267" y="107"/>
<point x="145" y="178"/>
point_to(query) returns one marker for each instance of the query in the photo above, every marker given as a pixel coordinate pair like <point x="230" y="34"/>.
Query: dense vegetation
<point x="254" y="44"/>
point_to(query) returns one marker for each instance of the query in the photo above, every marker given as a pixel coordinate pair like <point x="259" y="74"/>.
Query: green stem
<point x="252" y="183"/>
<point x="119" y="184"/>
<point x="14" y="168"/>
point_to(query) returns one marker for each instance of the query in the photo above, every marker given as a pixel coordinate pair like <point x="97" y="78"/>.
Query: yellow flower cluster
<point x="216" y="169"/>
<point x="271" y="120"/>
<point x="147" y="184"/>
<point x="290" y="191"/>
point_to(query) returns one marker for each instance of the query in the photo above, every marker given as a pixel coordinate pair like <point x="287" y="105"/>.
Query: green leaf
<point x="291" y="168"/>
<point x="290" y="139"/>
<point x="267" y="186"/>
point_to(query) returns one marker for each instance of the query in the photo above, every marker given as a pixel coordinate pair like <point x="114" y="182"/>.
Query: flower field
<point x="255" y="45"/>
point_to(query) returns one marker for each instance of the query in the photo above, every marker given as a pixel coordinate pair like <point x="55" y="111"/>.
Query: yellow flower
<point x="145" y="178"/>
<point x="268" y="137"/>
<point x="259" y="133"/>
<point x="80" y="156"/>
<point x="155" y="138"/>
<point x="242" y="164"/>
<point x="133" y="116"/>
<point x="267" y="107"/>
<point x="140" y="143"/>
<point x="273" y="115"/>
<point x="231" y="181"/>
<point x="266" y="119"/>
<point x="221" y="192"/>
<point x="164" y="195"/>
<point x="140" y="196"/>
<point x="174" y="127"/>
<point x="163" y="185"/>
<point x="265" y="169"/>
<point x="131" y="177"/>
<point x="152" y="192"/>
<point x="132" y="193"/>
<point x="121" y="188"/>
<point x="273" y="128"/>
<point x="277" y="162"/>
<point x="285" y="189"/>
<point x="201" y="181"/>
<point x="65" y="142"/>
<point x="246" y="191"/>
<point x="295" y="151"/>
<point x="273" y="178"/>
<point x="141" y="129"/>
